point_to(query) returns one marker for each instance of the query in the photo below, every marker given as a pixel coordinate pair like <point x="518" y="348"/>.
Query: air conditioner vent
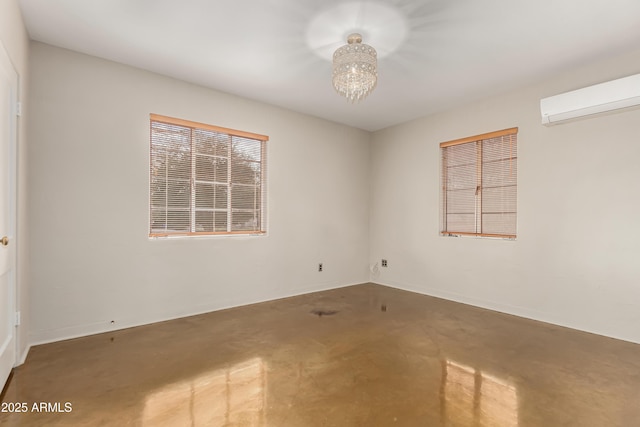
<point x="601" y="98"/>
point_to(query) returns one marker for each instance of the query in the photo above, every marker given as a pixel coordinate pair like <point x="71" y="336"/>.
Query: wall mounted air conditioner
<point x="600" y="98"/>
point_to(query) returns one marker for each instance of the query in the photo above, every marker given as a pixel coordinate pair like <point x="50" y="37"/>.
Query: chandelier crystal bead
<point x="355" y="69"/>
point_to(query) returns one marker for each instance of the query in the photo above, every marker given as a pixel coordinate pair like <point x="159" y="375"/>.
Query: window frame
<point x="479" y="170"/>
<point x="261" y="228"/>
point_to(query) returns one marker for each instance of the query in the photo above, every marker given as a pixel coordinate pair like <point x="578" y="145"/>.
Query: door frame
<point x="12" y="162"/>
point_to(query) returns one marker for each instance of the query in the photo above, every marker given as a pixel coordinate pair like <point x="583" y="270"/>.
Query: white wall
<point x="576" y="261"/>
<point x="92" y="261"/>
<point x="15" y="40"/>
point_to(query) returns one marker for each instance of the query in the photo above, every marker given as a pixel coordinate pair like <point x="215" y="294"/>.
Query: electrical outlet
<point x="384" y="263"/>
<point x="320" y="267"/>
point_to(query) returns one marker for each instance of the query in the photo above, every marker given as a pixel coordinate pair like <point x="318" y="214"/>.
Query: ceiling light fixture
<point x="355" y="69"/>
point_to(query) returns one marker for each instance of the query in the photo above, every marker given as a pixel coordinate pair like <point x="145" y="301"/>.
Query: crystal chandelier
<point x="355" y="69"/>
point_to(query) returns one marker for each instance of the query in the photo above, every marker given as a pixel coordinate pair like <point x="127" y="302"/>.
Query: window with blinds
<point x="205" y="180"/>
<point x="479" y="185"/>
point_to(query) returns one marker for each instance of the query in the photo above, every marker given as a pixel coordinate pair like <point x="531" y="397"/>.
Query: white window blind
<point x="479" y="185"/>
<point x="205" y="179"/>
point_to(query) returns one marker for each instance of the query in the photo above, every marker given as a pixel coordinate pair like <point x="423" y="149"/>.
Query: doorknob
<point x="4" y="241"/>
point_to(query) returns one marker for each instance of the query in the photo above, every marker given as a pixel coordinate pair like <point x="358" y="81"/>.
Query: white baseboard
<point x="60" y="334"/>
<point x="499" y="307"/>
<point x="23" y="356"/>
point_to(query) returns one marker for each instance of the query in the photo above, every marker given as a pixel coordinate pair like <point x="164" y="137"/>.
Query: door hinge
<point x="17" y="318"/>
<point x="19" y="109"/>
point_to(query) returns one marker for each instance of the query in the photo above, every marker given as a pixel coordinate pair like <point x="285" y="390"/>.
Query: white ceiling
<point x="433" y="54"/>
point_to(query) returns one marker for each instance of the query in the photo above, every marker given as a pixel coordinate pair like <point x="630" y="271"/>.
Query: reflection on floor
<point x="228" y="396"/>
<point x="384" y="357"/>
<point x="471" y="395"/>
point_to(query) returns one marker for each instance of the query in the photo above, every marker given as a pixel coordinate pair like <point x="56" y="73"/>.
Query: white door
<point x="8" y="102"/>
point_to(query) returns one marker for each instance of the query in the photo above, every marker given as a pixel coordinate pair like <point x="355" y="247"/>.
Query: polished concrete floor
<point x="365" y="355"/>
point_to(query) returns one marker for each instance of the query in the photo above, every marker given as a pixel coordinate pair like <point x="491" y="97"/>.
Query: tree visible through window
<point x="205" y="179"/>
<point x="479" y="185"/>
